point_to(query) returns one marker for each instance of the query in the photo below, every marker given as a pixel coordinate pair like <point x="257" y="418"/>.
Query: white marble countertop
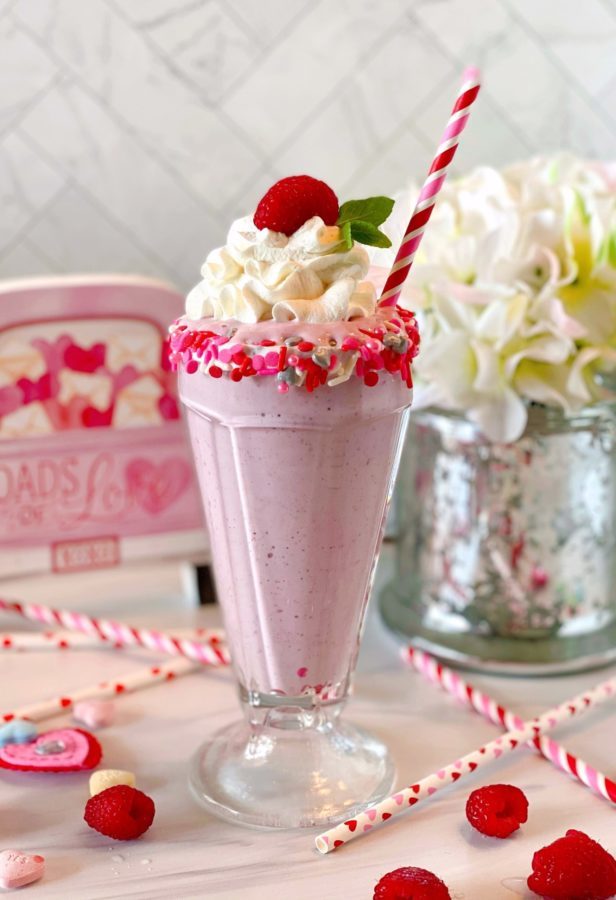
<point x="187" y="854"/>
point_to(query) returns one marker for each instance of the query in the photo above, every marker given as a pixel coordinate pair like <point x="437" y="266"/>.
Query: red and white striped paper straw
<point x="208" y="651"/>
<point x="127" y="684"/>
<point x="427" y="198"/>
<point x="451" y="681"/>
<point x="426" y="787"/>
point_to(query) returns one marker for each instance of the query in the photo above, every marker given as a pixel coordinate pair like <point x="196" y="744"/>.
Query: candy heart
<point x="63" y="750"/>
<point x="106" y="778"/>
<point x="18" y="869"/>
<point x="17" y="731"/>
<point x="95" y="713"/>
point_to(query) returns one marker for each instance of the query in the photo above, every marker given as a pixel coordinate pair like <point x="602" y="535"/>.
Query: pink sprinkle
<point x="257" y="362"/>
<point x="224" y="355"/>
<point x="365" y="353"/>
<point x="373" y="345"/>
<point x="191" y="366"/>
<point x="283" y="388"/>
<point x="271" y="359"/>
<point x="302" y="672"/>
<point x="293" y="360"/>
<point x="350" y="343"/>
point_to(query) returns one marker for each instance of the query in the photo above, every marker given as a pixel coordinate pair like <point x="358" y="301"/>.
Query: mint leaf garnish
<point x="346" y="236"/>
<point x="373" y="210"/>
<point x="367" y="233"/>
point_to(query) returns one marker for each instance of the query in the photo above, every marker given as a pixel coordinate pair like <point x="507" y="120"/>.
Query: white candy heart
<point x="18" y="869"/>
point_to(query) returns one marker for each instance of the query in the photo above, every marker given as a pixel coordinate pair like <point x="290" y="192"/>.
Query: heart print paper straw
<point x="127" y="684"/>
<point x="427" y="198"/>
<point x="448" y="679"/>
<point x="426" y="787"/>
<point x="207" y="650"/>
<point x="21" y="641"/>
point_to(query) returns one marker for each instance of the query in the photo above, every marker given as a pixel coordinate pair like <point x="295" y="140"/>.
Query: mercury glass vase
<point x="506" y="552"/>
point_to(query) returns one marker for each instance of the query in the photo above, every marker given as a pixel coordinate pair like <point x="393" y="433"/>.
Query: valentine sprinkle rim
<point x="387" y="341"/>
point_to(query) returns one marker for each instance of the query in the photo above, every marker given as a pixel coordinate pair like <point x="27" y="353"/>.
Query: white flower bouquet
<point x="515" y="290"/>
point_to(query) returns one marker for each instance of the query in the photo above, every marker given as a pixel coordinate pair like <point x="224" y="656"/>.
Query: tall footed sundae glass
<point x="296" y="386"/>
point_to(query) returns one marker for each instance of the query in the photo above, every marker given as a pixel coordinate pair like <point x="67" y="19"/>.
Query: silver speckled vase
<point x="506" y="556"/>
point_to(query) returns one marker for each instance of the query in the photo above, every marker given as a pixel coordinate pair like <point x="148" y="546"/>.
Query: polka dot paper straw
<point x="208" y="650"/>
<point x="433" y="671"/>
<point x="427" y="198"/>
<point x="426" y="787"/>
<point x="133" y="681"/>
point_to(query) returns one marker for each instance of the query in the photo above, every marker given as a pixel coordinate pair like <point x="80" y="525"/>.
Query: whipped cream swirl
<point x="261" y="274"/>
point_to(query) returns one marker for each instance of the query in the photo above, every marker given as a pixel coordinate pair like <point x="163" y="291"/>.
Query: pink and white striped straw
<point x="451" y="681"/>
<point x="427" y="198"/>
<point x="208" y="650"/>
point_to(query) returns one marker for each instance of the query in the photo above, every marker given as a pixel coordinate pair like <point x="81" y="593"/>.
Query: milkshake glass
<point x="296" y="474"/>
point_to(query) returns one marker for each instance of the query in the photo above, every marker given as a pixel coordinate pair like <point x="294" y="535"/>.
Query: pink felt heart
<point x="155" y="487"/>
<point x="18" y="869"/>
<point x="62" y="750"/>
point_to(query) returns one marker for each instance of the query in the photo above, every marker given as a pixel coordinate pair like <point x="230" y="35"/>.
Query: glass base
<point x="293" y="769"/>
<point x="555" y="655"/>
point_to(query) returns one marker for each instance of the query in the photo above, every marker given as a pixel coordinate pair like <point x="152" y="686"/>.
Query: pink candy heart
<point x="95" y="713"/>
<point x="18" y="869"/>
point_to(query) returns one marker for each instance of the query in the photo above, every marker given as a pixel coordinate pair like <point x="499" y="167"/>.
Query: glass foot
<point x="293" y="770"/>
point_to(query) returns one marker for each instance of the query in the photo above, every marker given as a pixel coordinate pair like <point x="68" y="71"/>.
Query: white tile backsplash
<point x="132" y="131"/>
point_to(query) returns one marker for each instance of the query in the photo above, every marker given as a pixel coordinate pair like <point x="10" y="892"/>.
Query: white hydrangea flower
<point x="515" y="290"/>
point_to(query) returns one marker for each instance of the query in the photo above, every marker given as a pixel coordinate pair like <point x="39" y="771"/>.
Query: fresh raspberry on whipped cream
<point x="292" y="201"/>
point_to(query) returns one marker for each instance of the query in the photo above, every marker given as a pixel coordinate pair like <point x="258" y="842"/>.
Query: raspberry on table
<point x="410" y="883"/>
<point x="574" y="867"/>
<point x="291" y="202"/>
<point x="120" y="812"/>
<point x="497" y="810"/>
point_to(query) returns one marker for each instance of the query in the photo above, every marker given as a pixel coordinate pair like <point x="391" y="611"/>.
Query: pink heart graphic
<point x="367" y="827"/>
<point x="497" y="753"/>
<point x="441" y="773"/>
<point x="18" y="869"/>
<point x="431" y="790"/>
<point x="371" y="813"/>
<point x="398" y="798"/>
<point x="552" y="722"/>
<point x="458" y="764"/>
<point x="155" y="487"/>
<point x="62" y="750"/>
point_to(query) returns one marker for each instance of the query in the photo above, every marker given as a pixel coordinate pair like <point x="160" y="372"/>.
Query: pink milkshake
<point x="296" y="387"/>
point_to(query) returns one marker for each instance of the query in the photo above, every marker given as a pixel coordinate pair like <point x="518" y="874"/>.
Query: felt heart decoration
<point x="62" y="750"/>
<point x="18" y="869"/>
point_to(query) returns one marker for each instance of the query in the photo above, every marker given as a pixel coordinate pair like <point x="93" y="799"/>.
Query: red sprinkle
<point x="305" y="346"/>
<point x="215" y="371"/>
<point x="371" y="378"/>
<point x="282" y="359"/>
<point x="191" y="366"/>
